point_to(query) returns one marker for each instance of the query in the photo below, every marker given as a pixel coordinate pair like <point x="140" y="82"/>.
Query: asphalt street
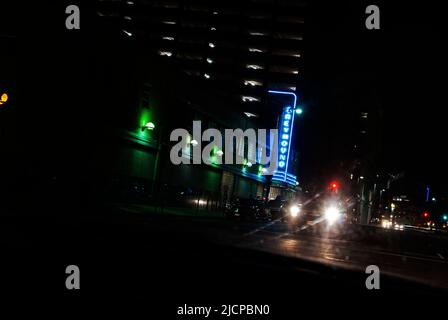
<point x="160" y="262"/>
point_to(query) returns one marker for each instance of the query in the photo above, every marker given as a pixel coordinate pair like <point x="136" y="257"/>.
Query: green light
<point x="216" y="152"/>
<point x="445" y="217"/>
<point x="144" y="123"/>
<point x="299" y="111"/>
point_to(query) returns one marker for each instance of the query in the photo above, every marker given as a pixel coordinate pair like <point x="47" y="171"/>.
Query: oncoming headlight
<point x="332" y="214"/>
<point x="294" y="210"/>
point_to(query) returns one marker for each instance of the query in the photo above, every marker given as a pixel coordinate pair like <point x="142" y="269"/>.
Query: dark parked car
<point x="247" y="209"/>
<point x="277" y="208"/>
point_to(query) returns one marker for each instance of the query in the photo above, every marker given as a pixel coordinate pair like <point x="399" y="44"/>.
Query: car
<point x="293" y="213"/>
<point x="289" y="211"/>
<point x="276" y="208"/>
<point x="247" y="209"/>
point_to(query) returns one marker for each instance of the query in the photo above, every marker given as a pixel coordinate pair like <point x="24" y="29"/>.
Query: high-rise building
<point x="245" y="47"/>
<point x="249" y="53"/>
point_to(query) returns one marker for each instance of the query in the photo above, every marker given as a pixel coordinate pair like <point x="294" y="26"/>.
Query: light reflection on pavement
<point x="307" y="244"/>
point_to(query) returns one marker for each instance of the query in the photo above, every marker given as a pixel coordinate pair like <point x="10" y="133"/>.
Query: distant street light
<point x="3" y="98"/>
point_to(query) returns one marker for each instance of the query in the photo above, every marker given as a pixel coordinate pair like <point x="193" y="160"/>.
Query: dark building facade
<point x="244" y="47"/>
<point x="237" y="50"/>
<point x="133" y="161"/>
<point x="97" y="144"/>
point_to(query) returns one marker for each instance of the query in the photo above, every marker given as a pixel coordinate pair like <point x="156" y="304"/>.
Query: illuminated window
<point x="250" y="115"/>
<point x="249" y="99"/>
<point x="257" y="33"/>
<point x="283" y="69"/>
<point x="165" y="53"/>
<point x="256" y="50"/>
<point x="252" y="83"/>
<point x="286" y="52"/>
<point x="254" y="66"/>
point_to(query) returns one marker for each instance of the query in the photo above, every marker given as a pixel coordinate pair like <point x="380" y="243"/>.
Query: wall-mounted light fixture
<point x="150" y="126"/>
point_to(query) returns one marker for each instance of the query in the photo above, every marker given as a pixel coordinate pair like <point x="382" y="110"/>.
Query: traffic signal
<point x="334" y="185"/>
<point x="445" y="217"/>
<point x="426" y="214"/>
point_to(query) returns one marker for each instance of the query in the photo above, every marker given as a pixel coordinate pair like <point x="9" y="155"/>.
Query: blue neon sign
<point x="286" y="126"/>
<point x="284" y="140"/>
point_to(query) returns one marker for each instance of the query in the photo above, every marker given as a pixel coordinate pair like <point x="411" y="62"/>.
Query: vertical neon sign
<point x="286" y="127"/>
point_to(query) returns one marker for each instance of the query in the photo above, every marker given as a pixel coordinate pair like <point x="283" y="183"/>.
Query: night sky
<point x="396" y="71"/>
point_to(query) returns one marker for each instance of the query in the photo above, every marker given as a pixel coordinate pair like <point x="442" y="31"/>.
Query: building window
<point x="165" y="53"/>
<point x="252" y="83"/>
<point x="256" y="33"/>
<point x="249" y="99"/>
<point x="254" y="66"/>
<point x="256" y="50"/>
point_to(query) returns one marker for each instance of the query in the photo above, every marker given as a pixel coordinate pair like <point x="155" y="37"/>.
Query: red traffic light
<point x="425" y="214"/>
<point x="334" y="185"/>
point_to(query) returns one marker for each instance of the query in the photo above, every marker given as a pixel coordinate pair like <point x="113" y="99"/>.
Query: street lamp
<point x="3" y="98"/>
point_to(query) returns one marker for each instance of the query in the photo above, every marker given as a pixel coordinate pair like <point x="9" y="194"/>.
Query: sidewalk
<point x="175" y="211"/>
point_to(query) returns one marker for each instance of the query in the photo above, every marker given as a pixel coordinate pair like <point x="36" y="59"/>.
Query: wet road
<point x="133" y="256"/>
<point x="407" y="254"/>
